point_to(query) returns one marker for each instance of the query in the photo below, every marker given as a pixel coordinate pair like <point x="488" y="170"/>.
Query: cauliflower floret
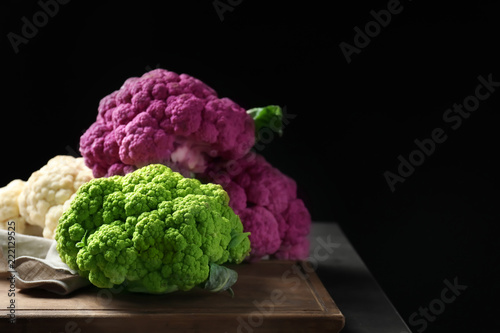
<point x="9" y="209"/>
<point x="42" y="199"/>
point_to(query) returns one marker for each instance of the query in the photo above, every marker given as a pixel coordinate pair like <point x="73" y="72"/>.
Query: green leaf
<point x="220" y="278"/>
<point x="83" y="242"/>
<point x="267" y="117"/>
<point x="237" y="238"/>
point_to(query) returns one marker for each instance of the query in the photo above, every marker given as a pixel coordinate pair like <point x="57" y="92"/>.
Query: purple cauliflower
<point x="179" y="121"/>
<point x="163" y="117"/>
<point x="266" y="201"/>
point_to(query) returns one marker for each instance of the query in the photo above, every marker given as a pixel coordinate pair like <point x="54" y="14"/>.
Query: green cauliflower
<point x="152" y="231"/>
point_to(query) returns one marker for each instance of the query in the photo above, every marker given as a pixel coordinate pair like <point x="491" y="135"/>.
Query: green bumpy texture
<point x="152" y="231"/>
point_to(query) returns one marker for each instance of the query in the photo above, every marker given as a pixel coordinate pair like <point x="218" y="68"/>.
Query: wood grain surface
<point x="270" y="296"/>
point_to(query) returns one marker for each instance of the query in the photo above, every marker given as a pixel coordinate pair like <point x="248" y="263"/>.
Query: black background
<point x="352" y="120"/>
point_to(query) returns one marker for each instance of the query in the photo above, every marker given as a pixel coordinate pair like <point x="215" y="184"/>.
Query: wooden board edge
<point x="322" y="293"/>
<point x="207" y="323"/>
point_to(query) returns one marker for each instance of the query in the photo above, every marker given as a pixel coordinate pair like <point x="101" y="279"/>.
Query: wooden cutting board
<point x="269" y="296"/>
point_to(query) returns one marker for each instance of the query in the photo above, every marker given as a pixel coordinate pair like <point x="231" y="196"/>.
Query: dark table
<point x="351" y="285"/>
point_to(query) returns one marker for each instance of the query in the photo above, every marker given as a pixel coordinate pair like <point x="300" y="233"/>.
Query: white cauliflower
<point x="9" y="209"/>
<point x="42" y="199"/>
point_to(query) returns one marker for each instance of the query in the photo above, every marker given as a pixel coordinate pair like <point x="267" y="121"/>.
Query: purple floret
<point x="163" y="117"/>
<point x="266" y="201"/>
